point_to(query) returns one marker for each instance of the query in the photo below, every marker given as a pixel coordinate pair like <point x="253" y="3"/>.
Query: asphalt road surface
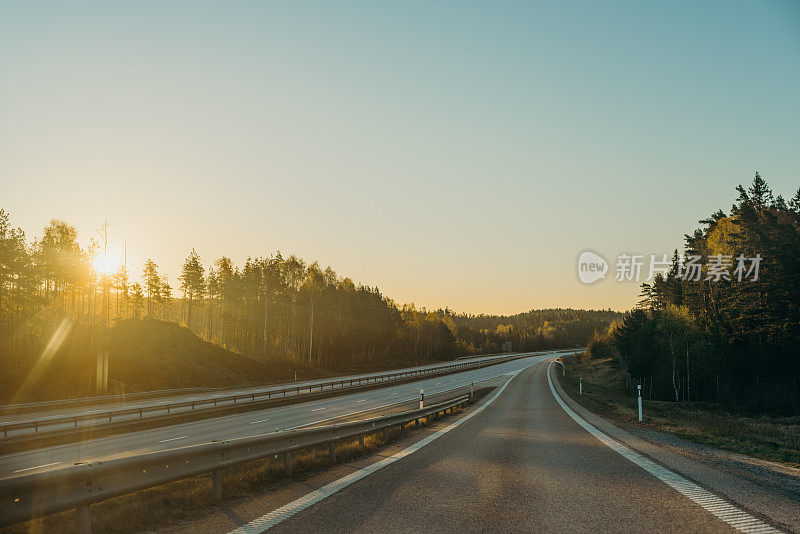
<point x="245" y="424"/>
<point x="46" y="413"/>
<point x="522" y="464"/>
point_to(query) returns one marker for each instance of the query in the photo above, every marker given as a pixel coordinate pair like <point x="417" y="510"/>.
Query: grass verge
<point x="770" y="438"/>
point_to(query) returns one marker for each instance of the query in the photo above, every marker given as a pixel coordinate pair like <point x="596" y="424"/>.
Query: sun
<point x="105" y="265"/>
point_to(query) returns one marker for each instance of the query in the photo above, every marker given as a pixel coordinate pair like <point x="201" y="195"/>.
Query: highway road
<point x="246" y="424"/>
<point x="45" y="414"/>
<point x="522" y="464"/>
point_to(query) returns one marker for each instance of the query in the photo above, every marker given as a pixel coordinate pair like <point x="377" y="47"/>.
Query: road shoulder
<point x="775" y="503"/>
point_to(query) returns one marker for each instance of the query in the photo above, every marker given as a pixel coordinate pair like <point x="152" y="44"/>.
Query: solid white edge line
<point x="271" y="519"/>
<point x="721" y="508"/>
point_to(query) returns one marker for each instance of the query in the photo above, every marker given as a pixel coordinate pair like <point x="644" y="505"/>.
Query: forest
<point x="727" y="341"/>
<point x="57" y="301"/>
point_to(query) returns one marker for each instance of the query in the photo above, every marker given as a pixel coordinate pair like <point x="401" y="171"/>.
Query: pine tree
<point x="137" y="300"/>
<point x="794" y="205"/>
<point x="165" y="296"/>
<point x="192" y="282"/>
<point x="760" y="193"/>
<point x="152" y="283"/>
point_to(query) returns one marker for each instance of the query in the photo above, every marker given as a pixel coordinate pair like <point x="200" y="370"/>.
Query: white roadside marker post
<point x="639" y="387"/>
<point x="421" y="399"/>
<point x="580" y="386"/>
<point x="471" y="391"/>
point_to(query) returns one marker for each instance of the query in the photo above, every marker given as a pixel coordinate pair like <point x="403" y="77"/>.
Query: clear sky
<point x="454" y="154"/>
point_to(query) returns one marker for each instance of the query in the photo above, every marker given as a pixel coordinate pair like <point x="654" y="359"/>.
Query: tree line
<point x="721" y="339"/>
<point x="271" y="307"/>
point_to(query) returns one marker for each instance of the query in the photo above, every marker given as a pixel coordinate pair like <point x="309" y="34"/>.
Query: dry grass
<point x="770" y="438"/>
<point x="161" y="506"/>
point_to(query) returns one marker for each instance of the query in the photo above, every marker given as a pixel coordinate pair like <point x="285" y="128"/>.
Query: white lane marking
<point x="172" y="439"/>
<point x="414" y="398"/>
<point x="317" y="409"/>
<point x="362" y="400"/>
<point x="733" y="516"/>
<point x="271" y="519"/>
<point x="259" y="421"/>
<point x="36" y="467"/>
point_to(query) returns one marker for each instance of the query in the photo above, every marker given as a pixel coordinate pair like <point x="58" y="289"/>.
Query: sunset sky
<point x="453" y="154"/>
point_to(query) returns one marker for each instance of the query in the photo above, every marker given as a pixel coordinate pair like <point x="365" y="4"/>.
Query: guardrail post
<point x="84" y="519"/>
<point x="332" y="451"/>
<point x="287" y="464"/>
<point x="361" y="440"/>
<point x="416" y="423"/>
<point x="385" y="434"/>
<point x="216" y="484"/>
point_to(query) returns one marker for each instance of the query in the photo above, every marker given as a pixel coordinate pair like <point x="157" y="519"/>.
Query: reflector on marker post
<point x="639" y="387"/>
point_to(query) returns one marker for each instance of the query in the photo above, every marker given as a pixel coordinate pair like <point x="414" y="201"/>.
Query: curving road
<point x="522" y="464"/>
<point x="49" y="411"/>
<point x="246" y="424"/>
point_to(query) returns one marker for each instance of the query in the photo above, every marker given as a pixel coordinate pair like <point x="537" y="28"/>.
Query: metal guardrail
<point x="108" y="416"/>
<point x="78" y="486"/>
<point x="119" y="398"/>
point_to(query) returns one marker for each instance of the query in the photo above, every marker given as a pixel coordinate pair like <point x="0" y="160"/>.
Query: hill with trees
<point x="272" y="312"/>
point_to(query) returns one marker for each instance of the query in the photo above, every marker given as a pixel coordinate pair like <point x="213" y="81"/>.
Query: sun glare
<point x="105" y="265"/>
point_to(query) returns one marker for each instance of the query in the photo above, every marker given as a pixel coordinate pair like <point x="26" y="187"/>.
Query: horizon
<point x="452" y="158"/>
